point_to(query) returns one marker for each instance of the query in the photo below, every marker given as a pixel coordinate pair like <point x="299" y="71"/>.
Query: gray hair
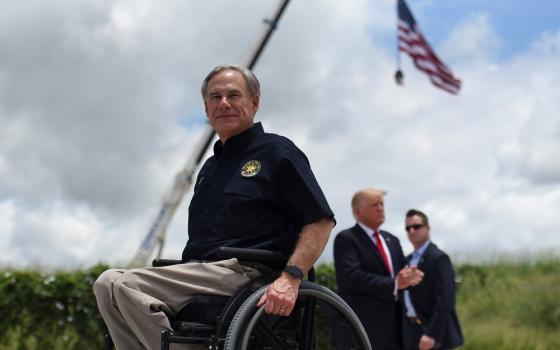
<point x="253" y="85"/>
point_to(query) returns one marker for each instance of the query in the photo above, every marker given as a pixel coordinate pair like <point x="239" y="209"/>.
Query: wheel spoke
<point x="277" y="343"/>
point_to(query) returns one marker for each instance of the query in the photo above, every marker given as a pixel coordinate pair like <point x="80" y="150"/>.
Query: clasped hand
<point x="409" y="277"/>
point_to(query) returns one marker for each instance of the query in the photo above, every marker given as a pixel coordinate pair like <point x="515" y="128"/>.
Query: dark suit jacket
<point x="364" y="282"/>
<point x="434" y="299"/>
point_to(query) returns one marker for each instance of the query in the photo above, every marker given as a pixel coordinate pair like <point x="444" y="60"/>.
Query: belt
<point x="415" y="320"/>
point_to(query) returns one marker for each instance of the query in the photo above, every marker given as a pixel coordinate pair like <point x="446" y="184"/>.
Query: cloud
<point x="534" y="148"/>
<point x="62" y="236"/>
<point x="475" y="39"/>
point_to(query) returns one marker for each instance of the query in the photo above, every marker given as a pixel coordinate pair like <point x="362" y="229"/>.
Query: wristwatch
<point x="294" y="271"/>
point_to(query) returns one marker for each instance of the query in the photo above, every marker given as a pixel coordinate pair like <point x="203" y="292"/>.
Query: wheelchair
<point x="235" y="323"/>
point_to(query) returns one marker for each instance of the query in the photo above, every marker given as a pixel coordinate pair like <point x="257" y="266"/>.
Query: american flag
<point x="412" y="42"/>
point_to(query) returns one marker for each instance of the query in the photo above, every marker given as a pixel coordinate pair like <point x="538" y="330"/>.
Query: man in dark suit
<point x="429" y="318"/>
<point x="370" y="269"/>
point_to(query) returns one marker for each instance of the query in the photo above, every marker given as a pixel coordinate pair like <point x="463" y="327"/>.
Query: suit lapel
<point x="425" y="256"/>
<point x="367" y="242"/>
<point x="408" y="258"/>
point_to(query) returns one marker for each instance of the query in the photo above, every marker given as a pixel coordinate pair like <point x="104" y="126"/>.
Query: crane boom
<point x="183" y="179"/>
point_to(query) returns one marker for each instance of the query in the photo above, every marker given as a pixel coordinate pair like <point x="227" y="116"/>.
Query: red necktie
<point x="382" y="250"/>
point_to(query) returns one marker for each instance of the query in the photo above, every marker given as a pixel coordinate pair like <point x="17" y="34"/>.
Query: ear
<point x="356" y="213"/>
<point x="206" y="109"/>
<point x="255" y="102"/>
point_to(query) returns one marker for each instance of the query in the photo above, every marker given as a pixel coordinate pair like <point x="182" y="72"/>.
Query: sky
<point x="100" y="108"/>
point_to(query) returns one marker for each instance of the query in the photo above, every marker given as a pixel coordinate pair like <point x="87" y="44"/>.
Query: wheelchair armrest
<point x="274" y="259"/>
<point x="165" y="262"/>
<point x="267" y="257"/>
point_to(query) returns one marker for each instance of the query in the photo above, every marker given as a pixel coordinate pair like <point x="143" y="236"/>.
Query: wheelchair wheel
<point x="252" y="329"/>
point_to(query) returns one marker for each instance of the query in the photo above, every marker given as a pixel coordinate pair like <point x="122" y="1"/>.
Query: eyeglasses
<point x="415" y="226"/>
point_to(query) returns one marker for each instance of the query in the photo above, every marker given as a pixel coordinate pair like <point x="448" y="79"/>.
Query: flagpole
<point x="399" y="76"/>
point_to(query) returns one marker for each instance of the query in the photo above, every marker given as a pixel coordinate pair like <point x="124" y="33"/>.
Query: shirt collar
<point x="238" y="142"/>
<point x="369" y="231"/>
<point x="420" y="251"/>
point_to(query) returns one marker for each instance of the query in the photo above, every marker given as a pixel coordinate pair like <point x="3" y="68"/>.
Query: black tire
<point x="248" y="316"/>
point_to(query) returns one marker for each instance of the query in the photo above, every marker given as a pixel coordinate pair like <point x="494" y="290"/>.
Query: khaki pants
<point x="136" y="303"/>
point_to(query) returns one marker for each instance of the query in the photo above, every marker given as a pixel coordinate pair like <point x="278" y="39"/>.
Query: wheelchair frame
<point x="240" y="323"/>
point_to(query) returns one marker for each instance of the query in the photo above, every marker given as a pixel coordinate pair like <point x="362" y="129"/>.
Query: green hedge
<point x="49" y="310"/>
<point x="502" y="306"/>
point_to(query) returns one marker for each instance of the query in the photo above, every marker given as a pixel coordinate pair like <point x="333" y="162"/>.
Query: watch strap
<point x="294" y="271"/>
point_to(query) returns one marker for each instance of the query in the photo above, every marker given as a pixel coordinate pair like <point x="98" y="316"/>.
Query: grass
<point x="510" y="306"/>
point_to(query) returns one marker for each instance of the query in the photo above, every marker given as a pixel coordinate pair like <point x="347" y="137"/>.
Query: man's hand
<point x="426" y="343"/>
<point x="280" y="296"/>
<point x="409" y="276"/>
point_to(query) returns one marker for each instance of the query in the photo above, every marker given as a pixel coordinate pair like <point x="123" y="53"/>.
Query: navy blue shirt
<point x="256" y="191"/>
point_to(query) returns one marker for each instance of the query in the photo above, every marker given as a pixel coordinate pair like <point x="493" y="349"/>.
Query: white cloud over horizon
<point x="100" y="107"/>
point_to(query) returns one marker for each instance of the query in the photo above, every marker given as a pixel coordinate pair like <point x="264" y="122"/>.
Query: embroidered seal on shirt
<point x="251" y="168"/>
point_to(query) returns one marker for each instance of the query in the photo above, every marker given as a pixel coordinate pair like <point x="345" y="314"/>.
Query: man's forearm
<point x="311" y="242"/>
<point x="280" y="297"/>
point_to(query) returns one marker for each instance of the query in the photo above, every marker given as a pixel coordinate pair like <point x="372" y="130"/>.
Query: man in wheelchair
<point x="256" y="191"/>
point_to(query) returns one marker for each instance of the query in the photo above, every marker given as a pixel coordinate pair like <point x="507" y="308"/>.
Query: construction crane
<point x="184" y="178"/>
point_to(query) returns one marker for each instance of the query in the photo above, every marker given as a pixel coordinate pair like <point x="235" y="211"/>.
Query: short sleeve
<point x="298" y="188"/>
